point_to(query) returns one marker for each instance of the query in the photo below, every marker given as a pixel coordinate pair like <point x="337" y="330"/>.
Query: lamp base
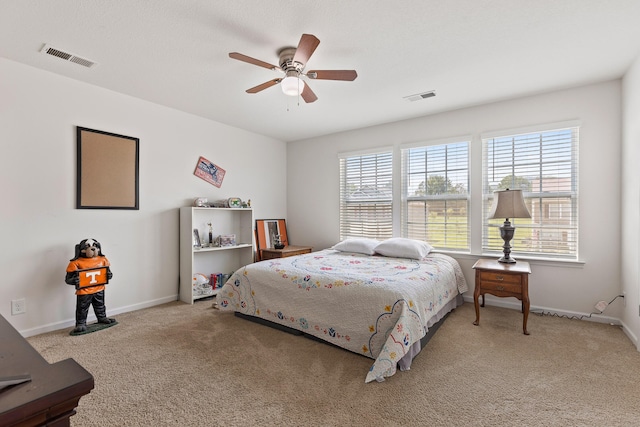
<point x="506" y="260"/>
<point x="506" y="232"/>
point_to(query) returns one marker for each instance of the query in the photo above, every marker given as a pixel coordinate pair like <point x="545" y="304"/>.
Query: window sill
<point x="552" y="262"/>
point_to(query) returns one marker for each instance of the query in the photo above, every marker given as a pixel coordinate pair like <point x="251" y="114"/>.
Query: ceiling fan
<point x="292" y="63"/>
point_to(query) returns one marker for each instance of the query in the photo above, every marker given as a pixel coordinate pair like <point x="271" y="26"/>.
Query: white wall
<point x="631" y="199"/>
<point x="313" y="186"/>
<point x="39" y="224"/>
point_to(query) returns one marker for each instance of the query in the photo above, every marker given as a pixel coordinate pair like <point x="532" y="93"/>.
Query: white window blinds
<point x="366" y="202"/>
<point x="544" y="165"/>
<point x="435" y="186"/>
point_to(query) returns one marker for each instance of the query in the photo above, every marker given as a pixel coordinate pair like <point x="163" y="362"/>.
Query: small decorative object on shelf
<point x="228" y="240"/>
<point x="220" y="204"/>
<point x="200" y="202"/>
<point x="234" y="202"/>
<point x="210" y="234"/>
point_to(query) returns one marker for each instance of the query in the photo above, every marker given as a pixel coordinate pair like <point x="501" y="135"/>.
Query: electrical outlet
<point x="18" y="306"/>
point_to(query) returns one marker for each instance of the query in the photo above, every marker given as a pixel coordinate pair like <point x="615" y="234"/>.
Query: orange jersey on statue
<point x="88" y="263"/>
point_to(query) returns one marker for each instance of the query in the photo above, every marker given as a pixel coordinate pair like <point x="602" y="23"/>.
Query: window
<point x="435" y="186"/>
<point x="366" y="197"/>
<point x="543" y="164"/>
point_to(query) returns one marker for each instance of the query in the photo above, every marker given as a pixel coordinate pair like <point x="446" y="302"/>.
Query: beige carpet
<point x="182" y="365"/>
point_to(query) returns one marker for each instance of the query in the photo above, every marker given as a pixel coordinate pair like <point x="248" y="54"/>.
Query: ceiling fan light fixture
<point x="292" y="85"/>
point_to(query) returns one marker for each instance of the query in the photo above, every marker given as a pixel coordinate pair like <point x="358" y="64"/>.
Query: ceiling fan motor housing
<point x="287" y="63"/>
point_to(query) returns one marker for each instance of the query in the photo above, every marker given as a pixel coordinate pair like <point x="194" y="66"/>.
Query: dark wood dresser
<point x="52" y="395"/>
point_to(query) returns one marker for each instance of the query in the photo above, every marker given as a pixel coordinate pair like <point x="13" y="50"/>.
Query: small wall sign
<point x="210" y="172"/>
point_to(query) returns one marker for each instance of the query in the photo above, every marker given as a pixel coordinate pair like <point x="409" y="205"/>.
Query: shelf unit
<point x="213" y="260"/>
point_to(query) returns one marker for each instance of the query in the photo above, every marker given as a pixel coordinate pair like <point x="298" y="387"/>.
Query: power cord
<point x="584" y="316"/>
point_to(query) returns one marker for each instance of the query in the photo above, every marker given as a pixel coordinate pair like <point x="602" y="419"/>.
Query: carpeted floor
<point x="183" y="365"/>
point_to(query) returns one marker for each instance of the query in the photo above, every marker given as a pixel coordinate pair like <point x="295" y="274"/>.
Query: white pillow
<point x="399" y="247"/>
<point x="359" y="245"/>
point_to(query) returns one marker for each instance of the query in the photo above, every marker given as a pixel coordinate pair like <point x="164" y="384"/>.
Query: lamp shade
<point x="508" y="204"/>
<point x="292" y="85"/>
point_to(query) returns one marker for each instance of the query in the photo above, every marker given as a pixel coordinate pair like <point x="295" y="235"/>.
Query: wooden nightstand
<point x="502" y="280"/>
<point x="287" y="251"/>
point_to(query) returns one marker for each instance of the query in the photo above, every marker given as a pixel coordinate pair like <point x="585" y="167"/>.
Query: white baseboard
<point x="504" y="303"/>
<point x="69" y="323"/>
<point x="630" y="335"/>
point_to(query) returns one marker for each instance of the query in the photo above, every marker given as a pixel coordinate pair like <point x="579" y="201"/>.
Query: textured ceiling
<point x="175" y="53"/>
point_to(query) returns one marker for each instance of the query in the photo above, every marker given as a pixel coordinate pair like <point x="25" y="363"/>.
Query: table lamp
<point x="508" y="204"/>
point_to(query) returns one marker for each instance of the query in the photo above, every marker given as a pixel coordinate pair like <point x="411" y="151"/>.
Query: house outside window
<point x="366" y="196"/>
<point x="544" y="165"/>
<point x="435" y="192"/>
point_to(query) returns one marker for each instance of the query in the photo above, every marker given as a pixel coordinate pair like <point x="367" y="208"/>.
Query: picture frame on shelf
<point x="227" y="240"/>
<point x="196" y="239"/>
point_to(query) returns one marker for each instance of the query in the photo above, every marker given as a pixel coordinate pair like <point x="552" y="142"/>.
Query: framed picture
<point x="228" y="240"/>
<point x="210" y="172"/>
<point x="266" y="232"/>
<point x="107" y="170"/>
<point x="196" y="238"/>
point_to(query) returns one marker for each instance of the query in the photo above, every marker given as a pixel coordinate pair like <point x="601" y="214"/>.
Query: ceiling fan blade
<point x="250" y="60"/>
<point x="307" y="45"/>
<point x="264" y="86"/>
<point x="348" y="75"/>
<point x="308" y="95"/>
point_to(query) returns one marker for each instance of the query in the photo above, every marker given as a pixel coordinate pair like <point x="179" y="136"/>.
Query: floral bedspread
<point x="372" y="305"/>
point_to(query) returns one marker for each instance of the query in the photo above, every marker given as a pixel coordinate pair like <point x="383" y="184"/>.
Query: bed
<point x="378" y="306"/>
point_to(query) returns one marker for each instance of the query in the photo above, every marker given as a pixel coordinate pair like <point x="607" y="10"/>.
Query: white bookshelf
<point x="212" y="260"/>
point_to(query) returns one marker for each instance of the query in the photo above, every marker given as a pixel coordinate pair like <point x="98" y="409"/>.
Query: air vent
<point x="58" y="53"/>
<point x="419" y="96"/>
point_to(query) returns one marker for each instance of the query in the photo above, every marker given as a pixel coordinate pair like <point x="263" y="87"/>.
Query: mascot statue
<point x="89" y="271"/>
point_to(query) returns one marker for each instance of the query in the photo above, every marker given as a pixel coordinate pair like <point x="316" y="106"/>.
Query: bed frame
<point x="423" y="341"/>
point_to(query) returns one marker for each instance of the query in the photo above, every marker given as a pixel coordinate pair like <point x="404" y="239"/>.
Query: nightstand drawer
<point x="500" y="277"/>
<point x="511" y="288"/>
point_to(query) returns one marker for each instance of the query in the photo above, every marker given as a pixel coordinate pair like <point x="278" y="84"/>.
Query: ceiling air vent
<point x="58" y="53"/>
<point x="419" y="96"/>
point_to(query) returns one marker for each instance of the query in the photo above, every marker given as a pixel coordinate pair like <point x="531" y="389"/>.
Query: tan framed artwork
<point x="107" y="170"/>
